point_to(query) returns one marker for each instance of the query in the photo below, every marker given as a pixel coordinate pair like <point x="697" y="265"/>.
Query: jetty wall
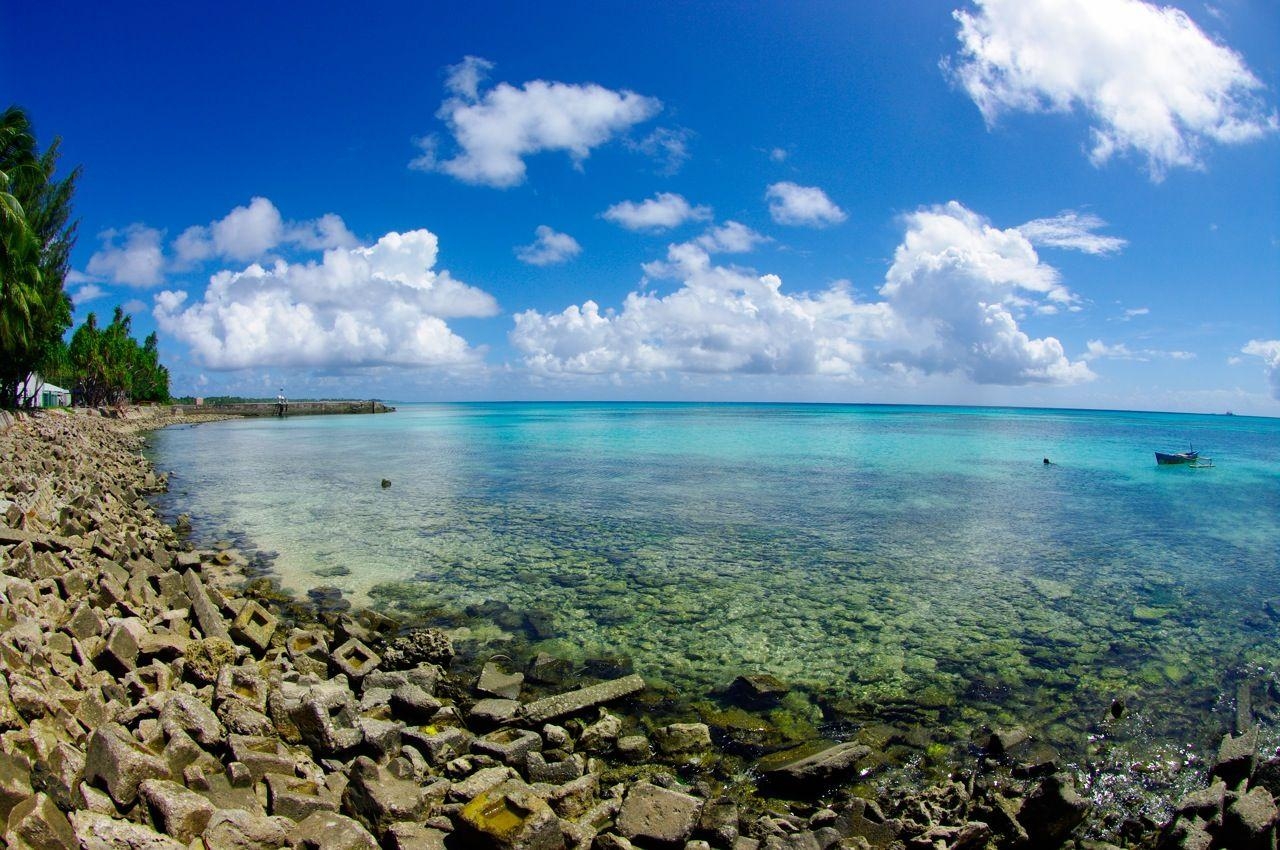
<point x="292" y="408"/>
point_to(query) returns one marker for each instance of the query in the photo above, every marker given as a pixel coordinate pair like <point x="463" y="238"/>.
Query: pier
<point x="291" y="408"/>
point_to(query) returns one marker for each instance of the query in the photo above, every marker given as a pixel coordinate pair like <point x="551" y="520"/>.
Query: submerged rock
<point x="808" y="768"/>
<point x="757" y="690"/>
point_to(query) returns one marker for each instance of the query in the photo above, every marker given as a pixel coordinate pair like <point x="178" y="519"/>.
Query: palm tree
<point x="35" y="246"/>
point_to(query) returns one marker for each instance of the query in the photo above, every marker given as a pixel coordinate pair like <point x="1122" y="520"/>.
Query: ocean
<point x="918" y="566"/>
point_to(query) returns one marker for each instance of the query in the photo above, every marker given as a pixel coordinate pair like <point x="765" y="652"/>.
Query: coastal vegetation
<point x="104" y="365"/>
<point x="36" y="238"/>
<point x="108" y="366"/>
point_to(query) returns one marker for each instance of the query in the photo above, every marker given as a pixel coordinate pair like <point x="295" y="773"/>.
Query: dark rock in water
<point x="1249" y="822"/>
<point x="757" y="691"/>
<point x="1237" y="757"/>
<point x="719" y="821"/>
<point x="1267" y="775"/>
<point x="745" y="733"/>
<point x="807" y="768"/>
<point x="1117" y="707"/>
<point x="609" y="666"/>
<point x="1052" y="811"/>
<point x="335" y="571"/>
<point x="861" y="818"/>
<point x="328" y="599"/>
<point x="1004" y="741"/>
<point x="540" y="625"/>
<point x="1206" y="804"/>
<point x="386" y="482"/>
<point x="417" y="646"/>
<point x="549" y="670"/>
<point x="1036" y="760"/>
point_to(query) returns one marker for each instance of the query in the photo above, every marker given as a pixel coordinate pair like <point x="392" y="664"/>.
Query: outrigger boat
<point x="1190" y="457"/>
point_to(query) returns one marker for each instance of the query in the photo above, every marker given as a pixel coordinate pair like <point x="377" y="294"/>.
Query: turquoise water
<point x="909" y="562"/>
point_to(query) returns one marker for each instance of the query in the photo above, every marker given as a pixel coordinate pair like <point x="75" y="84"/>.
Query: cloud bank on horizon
<point x="950" y="306"/>
<point x="961" y="297"/>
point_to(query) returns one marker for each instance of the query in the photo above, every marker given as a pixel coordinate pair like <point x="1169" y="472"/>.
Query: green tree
<point x="109" y="367"/>
<point x="36" y="238"/>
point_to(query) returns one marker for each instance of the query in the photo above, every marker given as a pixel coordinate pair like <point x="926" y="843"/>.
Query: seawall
<point x="292" y="408"/>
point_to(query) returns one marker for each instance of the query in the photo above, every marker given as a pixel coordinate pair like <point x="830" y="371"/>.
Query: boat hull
<point x="1181" y="457"/>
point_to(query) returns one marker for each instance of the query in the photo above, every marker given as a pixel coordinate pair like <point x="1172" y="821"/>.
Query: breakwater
<point x="291" y="408"/>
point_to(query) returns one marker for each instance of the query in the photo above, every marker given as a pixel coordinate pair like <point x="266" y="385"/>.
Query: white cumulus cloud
<point x="87" y="292"/>
<point x="133" y="256"/>
<point x="1269" y="351"/>
<point x="661" y="212"/>
<point x="957" y="282"/>
<point x="732" y="237"/>
<point x="1074" y="230"/>
<point x="949" y="306"/>
<point x="549" y="248"/>
<point x="250" y="232"/>
<point x="720" y="321"/>
<point x="496" y="129"/>
<point x="806" y="206"/>
<point x="384" y="304"/>
<point x="1148" y="79"/>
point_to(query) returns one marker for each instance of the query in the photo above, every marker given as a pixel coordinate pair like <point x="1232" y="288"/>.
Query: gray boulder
<point x="186" y="713"/>
<point x="37" y="823"/>
<point x="180" y="813"/>
<point x="416" y="647"/>
<point x="117" y="761"/>
<point x="329" y="831"/>
<point x="238" y="829"/>
<point x="653" y="814"/>
<point x="377" y="798"/>
<point x="96" y="831"/>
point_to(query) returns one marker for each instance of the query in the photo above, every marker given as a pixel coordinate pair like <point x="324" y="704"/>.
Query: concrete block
<point x="115" y="760"/>
<point x="179" y="813"/>
<point x="254" y="625"/>
<point x="355" y="659"/>
<point x="296" y="798"/>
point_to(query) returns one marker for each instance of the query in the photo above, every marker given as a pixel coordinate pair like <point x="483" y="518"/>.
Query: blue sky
<point x="1007" y="202"/>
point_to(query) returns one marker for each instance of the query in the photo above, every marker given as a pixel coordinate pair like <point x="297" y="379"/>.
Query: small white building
<point x="45" y="394"/>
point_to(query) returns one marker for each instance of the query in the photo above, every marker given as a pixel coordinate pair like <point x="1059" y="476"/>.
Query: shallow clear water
<point x="921" y="561"/>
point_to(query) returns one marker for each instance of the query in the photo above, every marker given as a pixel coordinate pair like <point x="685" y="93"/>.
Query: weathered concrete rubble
<point x="146" y="702"/>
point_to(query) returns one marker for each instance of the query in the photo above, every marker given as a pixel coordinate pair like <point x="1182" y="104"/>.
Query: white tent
<point x="45" y="394"/>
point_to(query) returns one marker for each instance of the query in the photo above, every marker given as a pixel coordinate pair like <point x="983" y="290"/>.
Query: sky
<point x="1048" y="203"/>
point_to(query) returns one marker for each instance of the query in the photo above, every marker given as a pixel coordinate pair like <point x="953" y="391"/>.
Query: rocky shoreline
<point x="151" y="697"/>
